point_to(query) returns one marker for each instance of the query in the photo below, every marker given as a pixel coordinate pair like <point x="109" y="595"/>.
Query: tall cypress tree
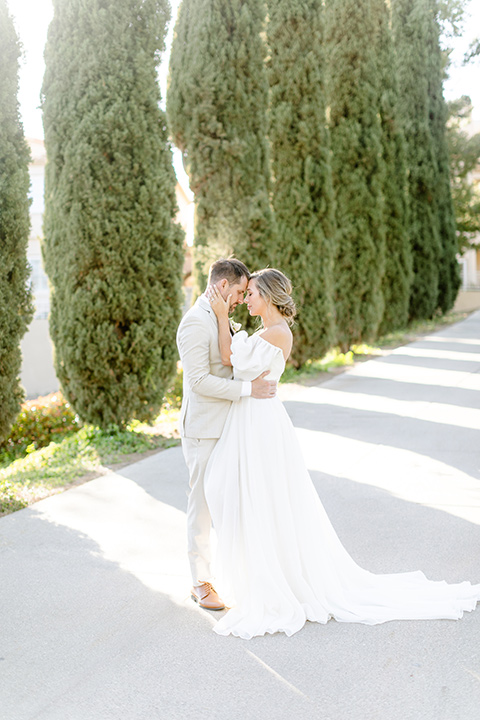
<point x="358" y="167"/>
<point x="449" y="269"/>
<point x="217" y="110"/>
<point x="410" y="20"/>
<point x="112" y="251"/>
<point x="15" y="297"/>
<point x="303" y="199"/>
<point x="398" y="261"/>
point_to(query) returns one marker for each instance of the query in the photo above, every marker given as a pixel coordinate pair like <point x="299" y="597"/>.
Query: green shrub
<point x="10" y="500"/>
<point x="39" y="422"/>
<point x="174" y="394"/>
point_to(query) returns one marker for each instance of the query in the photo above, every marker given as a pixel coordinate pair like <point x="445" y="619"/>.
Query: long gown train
<point x="278" y="555"/>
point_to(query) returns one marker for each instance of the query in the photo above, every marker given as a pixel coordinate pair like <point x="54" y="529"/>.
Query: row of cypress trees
<point x="314" y="142"/>
<point x="349" y="105"/>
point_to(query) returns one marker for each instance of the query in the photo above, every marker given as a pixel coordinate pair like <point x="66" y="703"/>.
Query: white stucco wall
<point x="37" y="374"/>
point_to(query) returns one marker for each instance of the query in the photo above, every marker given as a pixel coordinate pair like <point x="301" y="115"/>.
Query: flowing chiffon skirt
<point x="279" y="558"/>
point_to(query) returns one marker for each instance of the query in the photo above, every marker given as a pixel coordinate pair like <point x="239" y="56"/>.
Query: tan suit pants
<point x="196" y="452"/>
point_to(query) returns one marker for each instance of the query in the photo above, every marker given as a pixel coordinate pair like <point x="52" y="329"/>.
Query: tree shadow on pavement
<point x="84" y="638"/>
<point x="396" y="390"/>
<point x="432" y="363"/>
<point x="450" y="444"/>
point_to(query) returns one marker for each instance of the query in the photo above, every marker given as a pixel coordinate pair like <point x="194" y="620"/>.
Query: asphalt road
<point x="96" y="617"/>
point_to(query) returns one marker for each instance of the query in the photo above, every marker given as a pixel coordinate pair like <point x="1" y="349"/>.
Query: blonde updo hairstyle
<point x="274" y="287"/>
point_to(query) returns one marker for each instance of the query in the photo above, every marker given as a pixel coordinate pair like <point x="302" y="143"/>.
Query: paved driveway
<point x="96" y="619"/>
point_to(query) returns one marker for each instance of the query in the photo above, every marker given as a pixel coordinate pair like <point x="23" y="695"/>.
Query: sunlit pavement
<point x="96" y="617"/>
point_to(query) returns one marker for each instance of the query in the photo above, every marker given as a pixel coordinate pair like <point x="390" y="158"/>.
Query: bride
<point x="279" y="557"/>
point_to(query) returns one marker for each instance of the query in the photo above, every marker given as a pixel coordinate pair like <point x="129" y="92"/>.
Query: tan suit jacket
<point x="208" y="388"/>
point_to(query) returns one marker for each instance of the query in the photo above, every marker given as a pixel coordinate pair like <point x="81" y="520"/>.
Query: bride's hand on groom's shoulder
<point x="219" y="306"/>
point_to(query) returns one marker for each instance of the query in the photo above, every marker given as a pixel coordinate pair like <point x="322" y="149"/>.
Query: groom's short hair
<point x="231" y="269"/>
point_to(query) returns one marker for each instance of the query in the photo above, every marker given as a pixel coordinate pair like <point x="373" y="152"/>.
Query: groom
<point x="208" y="391"/>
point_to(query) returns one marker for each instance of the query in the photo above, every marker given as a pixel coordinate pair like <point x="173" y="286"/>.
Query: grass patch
<point x="418" y="328"/>
<point x="82" y="454"/>
<point x="333" y="359"/>
<point x="48" y="449"/>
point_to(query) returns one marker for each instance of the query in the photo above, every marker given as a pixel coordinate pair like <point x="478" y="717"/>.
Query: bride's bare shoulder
<point x="279" y="335"/>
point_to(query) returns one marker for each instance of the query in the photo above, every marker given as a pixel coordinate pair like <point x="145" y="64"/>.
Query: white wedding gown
<point x="280" y="561"/>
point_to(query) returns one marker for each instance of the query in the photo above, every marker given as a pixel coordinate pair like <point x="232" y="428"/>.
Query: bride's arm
<point x="220" y="308"/>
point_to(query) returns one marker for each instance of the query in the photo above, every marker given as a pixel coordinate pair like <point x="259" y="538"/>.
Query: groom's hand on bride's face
<point x="263" y="389"/>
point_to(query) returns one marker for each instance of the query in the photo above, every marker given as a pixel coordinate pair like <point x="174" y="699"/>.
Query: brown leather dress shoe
<point x="206" y="597"/>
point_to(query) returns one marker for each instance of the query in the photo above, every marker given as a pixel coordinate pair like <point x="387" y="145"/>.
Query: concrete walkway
<point x="96" y="619"/>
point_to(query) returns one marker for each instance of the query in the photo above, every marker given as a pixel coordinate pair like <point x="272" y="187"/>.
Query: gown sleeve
<point x="251" y="355"/>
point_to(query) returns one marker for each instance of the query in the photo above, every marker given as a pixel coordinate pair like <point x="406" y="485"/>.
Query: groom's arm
<point x="194" y="348"/>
